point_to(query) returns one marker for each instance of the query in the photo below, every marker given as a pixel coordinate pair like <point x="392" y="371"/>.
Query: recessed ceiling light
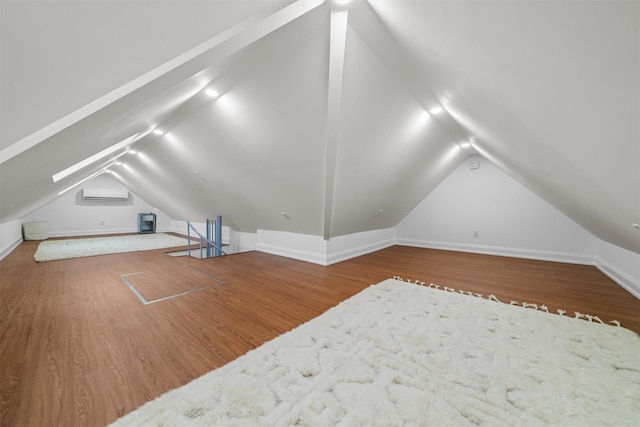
<point x="465" y="144"/>
<point x="212" y="93"/>
<point x="158" y="131"/>
<point x="118" y="163"/>
<point x="132" y="152"/>
<point x="436" y="110"/>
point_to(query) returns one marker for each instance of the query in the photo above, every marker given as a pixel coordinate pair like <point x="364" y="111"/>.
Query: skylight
<point x="100" y="172"/>
<point x="86" y="162"/>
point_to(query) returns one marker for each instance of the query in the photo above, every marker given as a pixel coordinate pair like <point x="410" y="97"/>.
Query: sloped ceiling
<point x="322" y="107"/>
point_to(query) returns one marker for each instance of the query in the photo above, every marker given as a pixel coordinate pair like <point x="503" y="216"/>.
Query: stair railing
<point x="202" y="237"/>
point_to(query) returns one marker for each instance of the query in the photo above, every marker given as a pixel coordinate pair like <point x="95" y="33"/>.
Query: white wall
<point x="315" y="249"/>
<point x="70" y="215"/>
<point x="234" y="241"/>
<point x="304" y="247"/>
<point x="509" y="219"/>
<point x="181" y="227"/>
<point x="620" y="265"/>
<point x="352" y="245"/>
<point x="10" y="236"/>
<point x="243" y="242"/>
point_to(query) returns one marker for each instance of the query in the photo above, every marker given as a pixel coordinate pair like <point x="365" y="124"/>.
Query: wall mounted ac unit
<point x="97" y="194"/>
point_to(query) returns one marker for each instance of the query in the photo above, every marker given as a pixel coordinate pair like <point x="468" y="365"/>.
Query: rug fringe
<point x="491" y="297"/>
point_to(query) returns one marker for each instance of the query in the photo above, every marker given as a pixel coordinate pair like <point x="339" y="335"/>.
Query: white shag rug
<point x="401" y="354"/>
<point x="51" y="250"/>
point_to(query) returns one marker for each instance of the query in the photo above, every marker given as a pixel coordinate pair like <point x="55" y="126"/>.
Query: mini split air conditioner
<point x="97" y="194"/>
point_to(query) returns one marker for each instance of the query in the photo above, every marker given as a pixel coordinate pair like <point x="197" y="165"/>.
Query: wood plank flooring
<point x="77" y="347"/>
<point x="168" y="282"/>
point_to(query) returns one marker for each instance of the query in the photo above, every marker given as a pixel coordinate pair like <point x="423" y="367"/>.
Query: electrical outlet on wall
<point x="476" y="234"/>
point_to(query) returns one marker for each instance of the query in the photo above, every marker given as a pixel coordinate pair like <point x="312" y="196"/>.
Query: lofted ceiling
<point x="324" y="109"/>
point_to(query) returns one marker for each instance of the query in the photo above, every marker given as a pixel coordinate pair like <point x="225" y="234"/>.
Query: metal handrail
<point x="202" y="237"/>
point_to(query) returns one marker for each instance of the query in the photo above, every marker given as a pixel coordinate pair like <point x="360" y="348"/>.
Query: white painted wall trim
<point x="342" y="248"/>
<point x="620" y="277"/>
<point x="539" y="255"/>
<point x="312" y="257"/>
<point x="10" y="237"/>
<point x="303" y="247"/>
<point x="316" y="250"/>
<point x="244" y="241"/>
<point x="6" y="250"/>
<point x="237" y="241"/>
<point x="180" y="227"/>
<point x="615" y="273"/>
<point x="621" y="265"/>
<point x="337" y="257"/>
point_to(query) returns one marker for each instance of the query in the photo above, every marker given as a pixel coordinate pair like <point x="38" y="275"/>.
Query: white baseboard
<point x="7" y="249"/>
<point x="620" y="277"/>
<point x="320" y="258"/>
<point x="316" y="250"/>
<point x="312" y="257"/>
<point x="332" y="258"/>
<point x="356" y="252"/>
<point x="501" y="251"/>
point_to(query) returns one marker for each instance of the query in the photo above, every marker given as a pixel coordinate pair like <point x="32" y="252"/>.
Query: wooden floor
<point x="79" y="348"/>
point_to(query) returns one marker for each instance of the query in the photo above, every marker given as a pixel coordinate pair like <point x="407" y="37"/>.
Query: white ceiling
<point x="326" y="125"/>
